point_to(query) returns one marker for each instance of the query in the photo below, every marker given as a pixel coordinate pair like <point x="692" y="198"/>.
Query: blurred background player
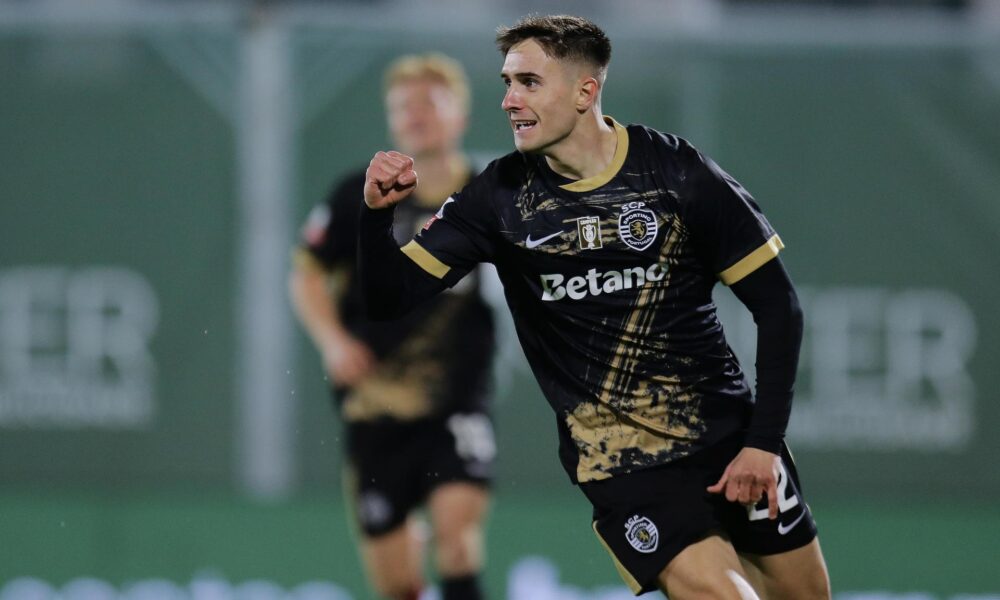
<point x="412" y="393"/>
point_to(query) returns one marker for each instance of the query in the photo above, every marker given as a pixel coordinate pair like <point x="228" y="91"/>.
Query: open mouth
<point x="523" y="125"/>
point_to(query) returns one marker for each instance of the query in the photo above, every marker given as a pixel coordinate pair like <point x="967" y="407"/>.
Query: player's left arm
<point x="735" y="241"/>
<point x="770" y="296"/>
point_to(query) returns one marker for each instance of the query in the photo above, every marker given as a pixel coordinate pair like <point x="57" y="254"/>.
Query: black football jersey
<point x="609" y="280"/>
<point x="436" y="360"/>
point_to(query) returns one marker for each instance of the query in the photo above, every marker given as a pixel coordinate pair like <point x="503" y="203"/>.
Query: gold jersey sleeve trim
<point x="621" y="151"/>
<point x="627" y="577"/>
<point x="303" y="259"/>
<point x="753" y="261"/>
<point x="425" y="260"/>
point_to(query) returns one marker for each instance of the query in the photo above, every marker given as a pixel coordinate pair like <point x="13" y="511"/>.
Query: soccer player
<point x="412" y="392"/>
<point x="609" y="240"/>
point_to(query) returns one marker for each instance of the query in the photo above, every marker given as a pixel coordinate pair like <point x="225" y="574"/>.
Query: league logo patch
<point x="642" y="534"/>
<point x="314" y="230"/>
<point x="439" y="214"/>
<point x="637" y="225"/>
<point x="589" y="233"/>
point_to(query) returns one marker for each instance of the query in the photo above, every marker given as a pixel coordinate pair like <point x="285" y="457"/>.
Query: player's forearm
<point x="772" y="300"/>
<point x="314" y="306"/>
<point x="391" y="283"/>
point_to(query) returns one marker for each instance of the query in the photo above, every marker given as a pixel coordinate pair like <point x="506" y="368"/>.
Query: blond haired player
<point x="411" y="392"/>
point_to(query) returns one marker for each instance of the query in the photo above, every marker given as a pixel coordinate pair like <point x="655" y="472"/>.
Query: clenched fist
<point x="390" y="178"/>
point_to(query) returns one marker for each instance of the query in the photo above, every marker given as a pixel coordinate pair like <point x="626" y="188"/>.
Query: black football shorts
<point x="393" y="466"/>
<point x="646" y="518"/>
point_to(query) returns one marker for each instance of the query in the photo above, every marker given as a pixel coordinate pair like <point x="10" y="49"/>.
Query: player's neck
<point x="440" y="174"/>
<point x="587" y="151"/>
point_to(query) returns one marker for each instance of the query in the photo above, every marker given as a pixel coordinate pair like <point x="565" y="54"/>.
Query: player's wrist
<point x="334" y="340"/>
<point x="764" y="441"/>
<point x="378" y="203"/>
<point x="380" y="211"/>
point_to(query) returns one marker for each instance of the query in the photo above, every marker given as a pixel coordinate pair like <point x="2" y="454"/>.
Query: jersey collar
<point x="621" y="151"/>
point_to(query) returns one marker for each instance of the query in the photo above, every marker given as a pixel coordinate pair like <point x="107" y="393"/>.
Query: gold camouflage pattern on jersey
<point x="636" y="419"/>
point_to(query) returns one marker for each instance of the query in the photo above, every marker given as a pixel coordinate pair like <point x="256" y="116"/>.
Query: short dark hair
<point x="561" y="36"/>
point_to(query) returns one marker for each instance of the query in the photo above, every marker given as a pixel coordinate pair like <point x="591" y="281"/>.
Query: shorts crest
<point x="374" y="509"/>
<point x="642" y="534"/>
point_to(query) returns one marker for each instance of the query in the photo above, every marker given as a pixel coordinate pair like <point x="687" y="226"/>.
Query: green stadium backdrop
<point x="120" y="330"/>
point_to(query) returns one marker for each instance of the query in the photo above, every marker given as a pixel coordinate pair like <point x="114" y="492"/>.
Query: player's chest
<point x="624" y="227"/>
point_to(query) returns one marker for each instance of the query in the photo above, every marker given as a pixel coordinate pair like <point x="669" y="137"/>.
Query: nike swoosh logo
<point x="783" y="529"/>
<point x="530" y="243"/>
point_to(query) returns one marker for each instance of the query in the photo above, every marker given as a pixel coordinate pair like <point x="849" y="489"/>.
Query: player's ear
<point x="587" y="94"/>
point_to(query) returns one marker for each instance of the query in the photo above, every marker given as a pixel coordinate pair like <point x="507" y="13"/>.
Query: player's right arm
<point x="393" y="279"/>
<point x="322" y="267"/>
<point x="346" y="359"/>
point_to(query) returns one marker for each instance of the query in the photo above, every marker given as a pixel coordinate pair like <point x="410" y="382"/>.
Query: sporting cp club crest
<point x="637" y="225"/>
<point x="642" y="534"/>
